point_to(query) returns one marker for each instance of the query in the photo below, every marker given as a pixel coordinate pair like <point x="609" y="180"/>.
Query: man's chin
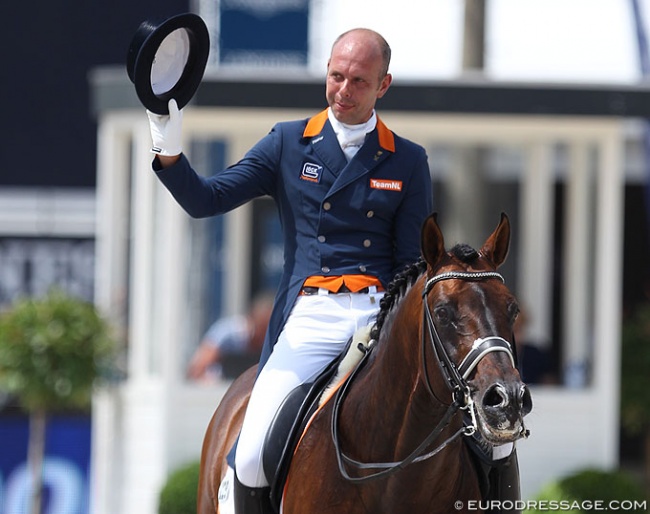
<point x="351" y="120"/>
<point x="345" y="115"/>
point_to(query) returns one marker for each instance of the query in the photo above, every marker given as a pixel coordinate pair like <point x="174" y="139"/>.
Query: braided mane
<point x="395" y="291"/>
<point x="406" y="278"/>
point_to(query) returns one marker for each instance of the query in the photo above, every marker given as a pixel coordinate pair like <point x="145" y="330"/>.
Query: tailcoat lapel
<point x="367" y="158"/>
<point x="326" y="147"/>
<point x="378" y="146"/>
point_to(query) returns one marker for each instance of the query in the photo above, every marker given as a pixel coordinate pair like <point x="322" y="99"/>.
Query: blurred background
<point x="538" y="109"/>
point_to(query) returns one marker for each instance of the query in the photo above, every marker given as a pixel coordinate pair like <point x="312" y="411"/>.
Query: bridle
<point x="455" y="378"/>
<point x="456" y="375"/>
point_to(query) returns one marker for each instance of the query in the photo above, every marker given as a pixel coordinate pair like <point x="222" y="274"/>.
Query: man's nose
<point x="345" y="88"/>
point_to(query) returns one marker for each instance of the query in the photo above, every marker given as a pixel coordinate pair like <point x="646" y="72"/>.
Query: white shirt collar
<point x="351" y="137"/>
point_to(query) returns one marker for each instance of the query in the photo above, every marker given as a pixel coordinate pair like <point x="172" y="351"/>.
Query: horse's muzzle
<point x="501" y="410"/>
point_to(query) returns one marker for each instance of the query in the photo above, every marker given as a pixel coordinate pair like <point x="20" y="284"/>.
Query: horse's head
<point x="469" y="315"/>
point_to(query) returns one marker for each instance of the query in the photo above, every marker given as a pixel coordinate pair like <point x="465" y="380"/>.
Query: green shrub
<point x="635" y="379"/>
<point x="178" y="496"/>
<point x="53" y="349"/>
<point x="589" y="487"/>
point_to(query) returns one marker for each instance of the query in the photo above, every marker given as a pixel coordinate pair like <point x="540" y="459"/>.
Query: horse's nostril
<point x="495" y="396"/>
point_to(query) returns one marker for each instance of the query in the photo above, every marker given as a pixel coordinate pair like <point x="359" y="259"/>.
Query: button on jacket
<point x="337" y="217"/>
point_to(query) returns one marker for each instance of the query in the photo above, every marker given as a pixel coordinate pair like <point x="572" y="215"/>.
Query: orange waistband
<point x="353" y="282"/>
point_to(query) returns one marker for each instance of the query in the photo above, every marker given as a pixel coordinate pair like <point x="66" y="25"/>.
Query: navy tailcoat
<point x="338" y="217"/>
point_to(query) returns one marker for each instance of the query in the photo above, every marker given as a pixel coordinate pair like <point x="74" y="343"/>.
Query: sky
<point x="587" y="41"/>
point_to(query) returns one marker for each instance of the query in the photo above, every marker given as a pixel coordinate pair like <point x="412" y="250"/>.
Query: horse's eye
<point x="513" y="312"/>
<point x="443" y="315"/>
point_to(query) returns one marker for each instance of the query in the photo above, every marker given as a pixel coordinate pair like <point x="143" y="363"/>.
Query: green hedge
<point x="178" y="496"/>
<point x="591" y="488"/>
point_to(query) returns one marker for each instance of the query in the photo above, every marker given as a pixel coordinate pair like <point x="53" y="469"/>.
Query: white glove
<point x="166" y="130"/>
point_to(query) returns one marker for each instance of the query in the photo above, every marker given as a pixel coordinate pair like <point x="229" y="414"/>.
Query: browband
<point x="462" y="275"/>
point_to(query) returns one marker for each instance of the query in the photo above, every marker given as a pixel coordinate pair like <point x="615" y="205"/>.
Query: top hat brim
<point x="142" y="53"/>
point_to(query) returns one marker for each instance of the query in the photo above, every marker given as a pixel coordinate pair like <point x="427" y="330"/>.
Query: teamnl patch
<point x="311" y="172"/>
<point x="387" y="185"/>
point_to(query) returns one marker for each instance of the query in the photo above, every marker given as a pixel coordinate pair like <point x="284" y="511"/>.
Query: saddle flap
<point x="285" y="423"/>
<point x="287" y="428"/>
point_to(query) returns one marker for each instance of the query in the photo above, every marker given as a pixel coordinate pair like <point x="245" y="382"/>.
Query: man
<point x="238" y="339"/>
<point x="351" y="195"/>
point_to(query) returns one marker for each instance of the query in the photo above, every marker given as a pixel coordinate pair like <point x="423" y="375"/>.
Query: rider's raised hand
<point x="166" y="131"/>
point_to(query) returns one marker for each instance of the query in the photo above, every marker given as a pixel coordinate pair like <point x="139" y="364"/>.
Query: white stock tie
<point x="352" y="137"/>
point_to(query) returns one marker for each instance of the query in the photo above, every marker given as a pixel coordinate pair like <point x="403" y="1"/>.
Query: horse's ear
<point x="432" y="244"/>
<point x="495" y="248"/>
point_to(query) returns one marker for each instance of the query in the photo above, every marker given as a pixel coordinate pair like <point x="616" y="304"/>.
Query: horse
<point x="439" y="370"/>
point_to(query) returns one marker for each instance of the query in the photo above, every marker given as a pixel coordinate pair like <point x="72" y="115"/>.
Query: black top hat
<point x="167" y="60"/>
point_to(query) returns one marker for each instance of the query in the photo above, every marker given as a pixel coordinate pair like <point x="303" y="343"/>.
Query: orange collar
<point x="316" y="123"/>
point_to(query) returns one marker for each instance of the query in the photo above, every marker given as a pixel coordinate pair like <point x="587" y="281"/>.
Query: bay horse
<point x="440" y="368"/>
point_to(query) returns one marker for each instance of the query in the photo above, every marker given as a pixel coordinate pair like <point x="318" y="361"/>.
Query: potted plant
<point x="52" y="350"/>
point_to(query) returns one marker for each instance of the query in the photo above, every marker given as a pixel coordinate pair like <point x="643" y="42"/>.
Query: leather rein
<point x="455" y="377"/>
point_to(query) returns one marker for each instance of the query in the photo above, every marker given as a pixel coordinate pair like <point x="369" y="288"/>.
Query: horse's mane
<point x="464" y="253"/>
<point x="395" y="290"/>
<point x="406" y="278"/>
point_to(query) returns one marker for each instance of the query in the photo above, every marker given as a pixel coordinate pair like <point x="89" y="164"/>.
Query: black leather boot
<point x="505" y="482"/>
<point x="252" y="500"/>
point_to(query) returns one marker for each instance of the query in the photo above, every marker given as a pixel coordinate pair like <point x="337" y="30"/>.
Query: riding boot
<point x="507" y="486"/>
<point x="252" y="500"/>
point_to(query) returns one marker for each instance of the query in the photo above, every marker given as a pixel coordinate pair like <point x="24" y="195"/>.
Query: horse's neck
<point x="389" y="413"/>
<point x="391" y="387"/>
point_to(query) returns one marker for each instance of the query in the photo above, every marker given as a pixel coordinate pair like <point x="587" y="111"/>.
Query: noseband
<point x="455" y="377"/>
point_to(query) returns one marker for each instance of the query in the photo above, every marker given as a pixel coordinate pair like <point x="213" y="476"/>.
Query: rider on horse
<point x="352" y="196"/>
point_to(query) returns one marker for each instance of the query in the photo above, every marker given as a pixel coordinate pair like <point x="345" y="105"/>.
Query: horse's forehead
<point x="482" y="304"/>
<point x="479" y="296"/>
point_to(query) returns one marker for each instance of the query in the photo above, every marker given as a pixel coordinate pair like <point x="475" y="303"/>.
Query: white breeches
<point x="317" y="330"/>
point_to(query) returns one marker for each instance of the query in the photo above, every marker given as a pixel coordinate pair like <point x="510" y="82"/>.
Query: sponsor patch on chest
<point x="311" y="172"/>
<point x="386" y="184"/>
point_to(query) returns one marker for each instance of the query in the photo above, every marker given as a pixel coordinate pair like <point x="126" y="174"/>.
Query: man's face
<point x="354" y="81"/>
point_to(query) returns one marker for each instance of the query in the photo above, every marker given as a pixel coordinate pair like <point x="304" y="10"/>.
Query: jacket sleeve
<point x="253" y="176"/>
<point x="415" y="207"/>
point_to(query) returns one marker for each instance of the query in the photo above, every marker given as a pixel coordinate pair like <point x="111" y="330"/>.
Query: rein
<point x="455" y="378"/>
